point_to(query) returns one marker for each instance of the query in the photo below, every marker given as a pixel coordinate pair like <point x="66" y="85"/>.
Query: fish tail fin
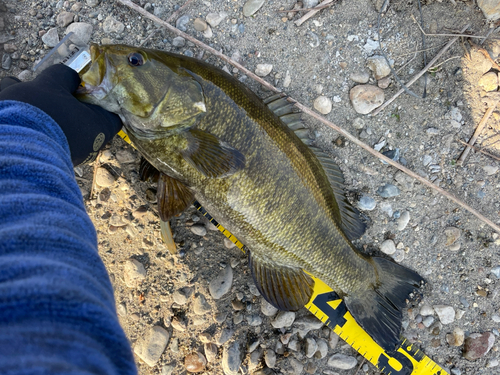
<point x="379" y="309"/>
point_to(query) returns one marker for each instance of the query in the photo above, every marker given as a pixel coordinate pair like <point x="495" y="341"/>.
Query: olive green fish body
<point x="205" y="129"/>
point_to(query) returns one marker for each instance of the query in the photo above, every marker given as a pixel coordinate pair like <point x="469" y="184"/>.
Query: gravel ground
<point x="202" y="303"/>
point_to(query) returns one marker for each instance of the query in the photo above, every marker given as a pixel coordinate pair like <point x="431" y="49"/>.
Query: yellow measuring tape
<point x="326" y="305"/>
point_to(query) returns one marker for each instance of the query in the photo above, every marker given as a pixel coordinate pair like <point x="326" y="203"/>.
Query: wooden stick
<point x="202" y="45"/>
<point x="477" y="133"/>
<point x="311" y="13"/>
<point x="321" y="6"/>
<point x="97" y="164"/>
<point x="328" y="123"/>
<point x="480" y="150"/>
<point x="419" y="74"/>
<point x="464" y="35"/>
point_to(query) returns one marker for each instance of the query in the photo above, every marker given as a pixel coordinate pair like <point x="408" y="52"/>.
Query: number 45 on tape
<point x="405" y="360"/>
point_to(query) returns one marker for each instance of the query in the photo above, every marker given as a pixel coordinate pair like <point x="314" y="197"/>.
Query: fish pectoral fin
<point x="379" y="309"/>
<point x="173" y="197"/>
<point x="147" y="172"/>
<point x="210" y="156"/>
<point x="285" y="288"/>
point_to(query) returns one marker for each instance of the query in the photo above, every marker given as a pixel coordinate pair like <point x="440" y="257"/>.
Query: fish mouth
<point x="95" y="81"/>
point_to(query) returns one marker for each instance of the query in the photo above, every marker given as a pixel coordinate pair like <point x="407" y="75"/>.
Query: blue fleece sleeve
<point x="57" y="309"/>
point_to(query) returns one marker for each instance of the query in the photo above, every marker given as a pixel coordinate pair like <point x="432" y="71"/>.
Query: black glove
<point x="87" y="127"/>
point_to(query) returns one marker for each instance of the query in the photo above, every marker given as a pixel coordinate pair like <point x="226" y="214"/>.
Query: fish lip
<point x="103" y="86"/>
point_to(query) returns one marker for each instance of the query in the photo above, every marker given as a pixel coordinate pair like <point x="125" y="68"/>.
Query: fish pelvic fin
<point x="173" y="197"/>
<point x="379" y="309"/>
<point x="210" y="156"/>
<point x="285" y="288"/>
<point x="147" y="172"/>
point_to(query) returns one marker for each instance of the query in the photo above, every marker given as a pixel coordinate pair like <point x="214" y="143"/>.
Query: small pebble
<point x="477" y="345"/>
<point x="199" y="24"/>
<point x="283" y="319"/>
<point x="489" y="82"/>
<point x="496" y="271"/>
<point x="452" y="235"/>
<point x="270" y="358"/>
<point x="456" y="338"/>
<point x="214" y="19"/>
<point x="254" y="320"/>
<point x="341" y="361"/>
<point x="51" y="37"/>
<point x="82" y="31"/>
<point x="360" y="76"/>
<point x="386" y="207"/>
<point x="231" y="359"/>
<point x="492" y="363"/>
<point x="251" y="7"/>
<point x="379" y="66"/>
<point x="322" y="349"/>
<point x="179" y="41"/>
<point x="151" y="347"/>
<point x="388" y="191"/>
<point x="200" y="305"/>
<point x="182" y="22"/>
<point x="446" y="314"/>
<point x="267" y="309"/>
<point x="427" y="321"/>
<point x="133" y="273"/>
<point x="168" y="369"/>
<point x="210" y="352"/>
<point x="199" y="230"/>
<point x="104" y="178"/>
<point x="263" y="70"/>
<point x="366" y="203"/>
<point x="221" y="284"/>
<point x="490" y="169"/>
<point x="388" y="247"/>
<point x="195" y="362"/>
<point x="403" y="220"/>
<point x="311" y="347"/>
<point x="112" y="25"/>
<point x="323" y="105"/>
<point x="384" y="82"/>
<point x="358" y="123"/>
<point x="64" y="19"/>
<point x="365" y="98"/>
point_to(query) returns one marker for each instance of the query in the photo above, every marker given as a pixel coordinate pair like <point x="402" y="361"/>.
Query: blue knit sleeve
<point x="57" y="310"/>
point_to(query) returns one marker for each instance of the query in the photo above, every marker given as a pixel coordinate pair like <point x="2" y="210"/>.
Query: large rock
<point x="490" y="8"/>
<point x="151" y="347"/>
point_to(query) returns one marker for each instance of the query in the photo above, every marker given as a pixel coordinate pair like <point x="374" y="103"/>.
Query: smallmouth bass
<point x="247" y="162"/>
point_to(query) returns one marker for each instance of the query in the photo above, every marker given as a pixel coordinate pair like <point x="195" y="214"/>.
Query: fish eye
<point x="135" y="59"/>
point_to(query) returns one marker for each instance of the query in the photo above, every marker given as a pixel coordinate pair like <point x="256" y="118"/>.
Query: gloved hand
<point x="87" y="127"/>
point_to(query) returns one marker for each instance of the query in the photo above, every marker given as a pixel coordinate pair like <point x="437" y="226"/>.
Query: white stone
<point x="490" y="169"/>
<point x="150" y="348"/>
<point x="388" y="247"/>
<point x="263" y="70"/>
<point x="214" y="19"/>
<point x="403" y="220"/>
<point x="283" y="319"/>
<point x="365" y="98"/>
<point x="134" y="273"/>
<point x="51" y="37"/>
<point x="323" y="105"/>
<point x="341" y="361"/>
<point x="379" y="66"/>
<point x="111" y="25"/>
<point x="446" y="314"/>
<point x="266" y="308"/>
<point x="221" y="284"/>
<point x="82" y="31"/>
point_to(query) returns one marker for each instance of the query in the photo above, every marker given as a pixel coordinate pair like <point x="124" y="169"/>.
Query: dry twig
<point x="480" y="150"/>
<point x="321" y="119"/>
<point x="360" y="365"/>
<point x="311" y="13"/>
<point x="461" y="32"/>
<point x="477" y="133"/>
<point x="317" y="7"/>
<point x="419" y="74"/>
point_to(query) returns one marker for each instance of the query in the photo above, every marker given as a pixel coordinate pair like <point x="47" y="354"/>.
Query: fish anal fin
<point x="173" y="197"/>
<point x="147" y="172"/>
<point x="283" y="287"/>
<point x="210" y="156"/>
<point x="379" y="309"/>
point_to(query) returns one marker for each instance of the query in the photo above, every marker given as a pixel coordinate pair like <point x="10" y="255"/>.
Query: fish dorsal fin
<point x="284" y="110"/>
<point x="147" y="172"/>
<point x="173" y="197"/>
<point x="210" y="156"/>
<point x="285" y="288"/>
<point x="350" y="219"/>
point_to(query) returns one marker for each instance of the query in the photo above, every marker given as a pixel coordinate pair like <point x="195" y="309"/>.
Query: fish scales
<point x="254" y="175"/>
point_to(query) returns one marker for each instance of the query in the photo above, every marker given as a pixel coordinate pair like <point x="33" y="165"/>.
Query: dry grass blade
<point x="419" y="74"/>
<point x="322" y="119"/>
<point x="96" y="167"/>
<point x="311" y="13"/>
<point x="480" y="150"/>
<point x="477" y="133"/>
<point x="460" y="34"/>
